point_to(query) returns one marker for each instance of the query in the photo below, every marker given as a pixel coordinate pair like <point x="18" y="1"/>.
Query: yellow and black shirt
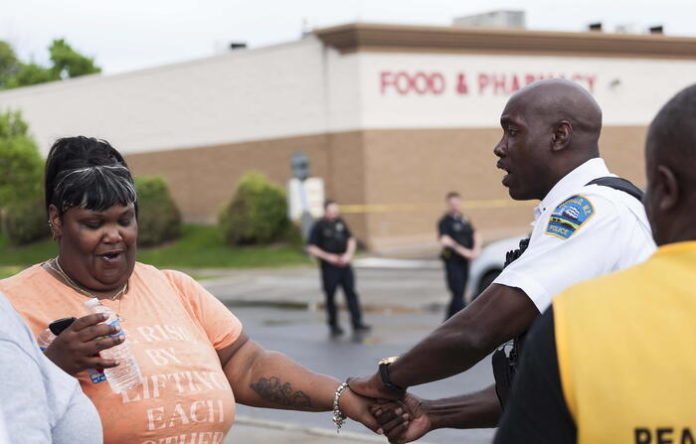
<point x="613" y="360"/>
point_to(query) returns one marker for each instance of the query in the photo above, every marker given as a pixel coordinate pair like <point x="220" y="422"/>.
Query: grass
<point x="199" y="247"/>
<point x="202" y="247"/>
<point x="9" y="271"/>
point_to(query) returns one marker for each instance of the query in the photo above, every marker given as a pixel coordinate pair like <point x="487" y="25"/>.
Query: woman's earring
<point x="53" y="233"/>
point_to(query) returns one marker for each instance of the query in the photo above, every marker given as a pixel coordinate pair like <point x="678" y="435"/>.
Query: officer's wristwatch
<point x="384" y="374"/>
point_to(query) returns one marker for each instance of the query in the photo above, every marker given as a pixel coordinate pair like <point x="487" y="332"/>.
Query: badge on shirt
<point x="569" y="216"/>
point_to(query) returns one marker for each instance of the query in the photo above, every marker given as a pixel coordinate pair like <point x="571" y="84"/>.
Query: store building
<point x="392" y="117"/>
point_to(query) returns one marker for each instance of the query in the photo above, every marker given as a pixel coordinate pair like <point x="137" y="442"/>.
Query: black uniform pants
<point x="333" y="276"/>
<point x="457" y="272"/>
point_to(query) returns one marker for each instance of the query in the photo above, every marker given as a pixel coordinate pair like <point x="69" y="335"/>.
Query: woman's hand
<point x="403" y="421"/>
<point x="357" y="408"/>
<point x="77" y="347"/>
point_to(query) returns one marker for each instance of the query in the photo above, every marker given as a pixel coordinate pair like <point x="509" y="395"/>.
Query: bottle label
<point x="96" y="375"/>
<point x="117" y="323"/>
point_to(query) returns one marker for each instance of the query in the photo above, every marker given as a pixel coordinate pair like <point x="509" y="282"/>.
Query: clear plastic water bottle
<point x="126" y="375"/>
<point x="45" y="339"/>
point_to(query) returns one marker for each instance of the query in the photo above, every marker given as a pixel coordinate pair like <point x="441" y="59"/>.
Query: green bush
<point x="21" y="174"/>
<point x="21" y="165"/>
<point x="25" y="221"/>
<point x="159" y="219"/>
<point x="257" y="214"/>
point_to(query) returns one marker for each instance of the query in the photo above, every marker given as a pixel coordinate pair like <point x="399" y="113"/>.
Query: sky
<point x="127" y="35"/>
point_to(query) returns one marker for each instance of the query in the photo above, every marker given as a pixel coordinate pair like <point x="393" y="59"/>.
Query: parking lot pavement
<point x="247" y="430"/>
<point x="380" y="288"/>
<point x="303" y="336"/>
<point x="280" y="309"/>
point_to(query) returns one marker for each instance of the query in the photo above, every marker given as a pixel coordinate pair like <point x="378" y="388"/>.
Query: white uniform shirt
<point x="580" y="232"/>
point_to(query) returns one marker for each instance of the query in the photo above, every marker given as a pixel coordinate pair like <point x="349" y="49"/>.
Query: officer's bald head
<point x="670" y="199"/>
<point x="551" y="127"/>
<point x="556" y="100"/>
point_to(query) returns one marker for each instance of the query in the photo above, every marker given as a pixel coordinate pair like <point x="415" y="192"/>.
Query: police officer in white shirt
<point x="586" y="226"/>
<point x="549" y="151"/>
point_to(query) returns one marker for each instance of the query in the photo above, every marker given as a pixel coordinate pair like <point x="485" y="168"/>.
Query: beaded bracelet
<point x="338" y="416"/>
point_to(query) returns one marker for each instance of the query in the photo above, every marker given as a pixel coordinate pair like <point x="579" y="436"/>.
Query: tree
<point x="65" y="63"/>
<point x="21" y="165"/>
<point x="30" y="74"/>
<point x="21" y="171"/>
<point x="68" y="63"/>
<point x="9" y="64"/>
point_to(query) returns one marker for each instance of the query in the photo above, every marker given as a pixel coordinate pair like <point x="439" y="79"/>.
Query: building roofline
<point x="355" y="37"/>
<point x="147" y="71"/>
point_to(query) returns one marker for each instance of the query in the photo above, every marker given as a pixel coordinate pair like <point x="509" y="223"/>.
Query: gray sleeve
<point x="80" y="424"/>
<point x="24" y="402"/>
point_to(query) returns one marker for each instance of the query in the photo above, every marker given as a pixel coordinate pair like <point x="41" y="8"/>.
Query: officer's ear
<point x="561" y="135"/>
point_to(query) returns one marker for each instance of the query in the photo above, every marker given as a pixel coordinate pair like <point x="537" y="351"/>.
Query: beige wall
<point x="420" y="166"/>
<point x="390" y="182"/>
<point x="202" y="179"/>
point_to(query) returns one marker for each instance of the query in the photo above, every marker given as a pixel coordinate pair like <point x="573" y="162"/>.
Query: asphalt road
<point x="302" y="335"/>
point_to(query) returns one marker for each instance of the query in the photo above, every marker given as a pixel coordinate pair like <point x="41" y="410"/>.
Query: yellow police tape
<point x="403" y="207"/>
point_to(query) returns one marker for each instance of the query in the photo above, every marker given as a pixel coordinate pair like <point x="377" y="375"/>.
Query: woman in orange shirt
<point x="195" y="359"/>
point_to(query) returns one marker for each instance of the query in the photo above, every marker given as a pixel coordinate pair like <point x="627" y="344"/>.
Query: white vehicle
<point x="489" y="264"/>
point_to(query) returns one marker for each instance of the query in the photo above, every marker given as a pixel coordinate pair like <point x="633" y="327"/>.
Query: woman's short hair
<point x="88" y="173"/>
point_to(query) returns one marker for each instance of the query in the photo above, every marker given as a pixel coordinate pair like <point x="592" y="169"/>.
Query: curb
<point x="319" y="306"/>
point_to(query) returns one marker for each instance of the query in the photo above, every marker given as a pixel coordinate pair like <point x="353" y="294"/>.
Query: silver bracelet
<point x="338" y="416"/>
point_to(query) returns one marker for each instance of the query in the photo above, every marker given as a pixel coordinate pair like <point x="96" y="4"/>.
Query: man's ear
<point x="669" y="188"/>
<point x="54" y="222"/>
<point x="561" y="135"/>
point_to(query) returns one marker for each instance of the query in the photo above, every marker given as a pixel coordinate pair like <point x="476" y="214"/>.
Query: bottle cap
<point x="92" y="302"/>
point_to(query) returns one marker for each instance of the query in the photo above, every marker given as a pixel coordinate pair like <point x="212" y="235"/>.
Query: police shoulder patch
<point x="569" y="216"/>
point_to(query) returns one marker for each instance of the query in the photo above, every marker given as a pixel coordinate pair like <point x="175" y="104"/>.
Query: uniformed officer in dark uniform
<point x="333" y="244"/>
<point x="460" y="244"/>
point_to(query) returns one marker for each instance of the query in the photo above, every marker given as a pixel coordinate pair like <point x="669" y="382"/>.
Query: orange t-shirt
<point x="174" y="327"/>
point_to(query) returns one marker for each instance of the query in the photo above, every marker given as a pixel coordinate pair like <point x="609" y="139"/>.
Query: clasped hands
<point x="339" y="260"/>
<point x="401" y="417"/>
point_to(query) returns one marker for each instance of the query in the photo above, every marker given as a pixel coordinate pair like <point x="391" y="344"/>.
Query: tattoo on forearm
<point x="272" y="390"/>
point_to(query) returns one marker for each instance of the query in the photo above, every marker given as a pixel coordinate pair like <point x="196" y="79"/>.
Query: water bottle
<point x="126" y="375"/>
<point x="45" y="339"/>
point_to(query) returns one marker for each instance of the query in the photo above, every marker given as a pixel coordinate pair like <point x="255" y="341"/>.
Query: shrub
<point x="159" y="219"/>
<point x="21" y="165"/>
<point x="21" y="172"/>
<point x="257" y="214"/>
<point x="25" y="221"/>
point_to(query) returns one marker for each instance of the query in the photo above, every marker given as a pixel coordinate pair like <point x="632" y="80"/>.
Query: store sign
<point x="435" y="83"/>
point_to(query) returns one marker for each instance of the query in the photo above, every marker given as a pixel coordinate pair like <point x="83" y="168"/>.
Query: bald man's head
<point x="555" y="100"/>
<point x="550" y="128"/>
<point x="670" y="199"/>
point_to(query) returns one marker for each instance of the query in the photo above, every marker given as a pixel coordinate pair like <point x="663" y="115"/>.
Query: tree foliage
<point x="21" y="165"/>
<point x="8" y="63"/>
<point x="68" y="63"/>
<point x="65" y="63"/>
<point x="21" y="173"/>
